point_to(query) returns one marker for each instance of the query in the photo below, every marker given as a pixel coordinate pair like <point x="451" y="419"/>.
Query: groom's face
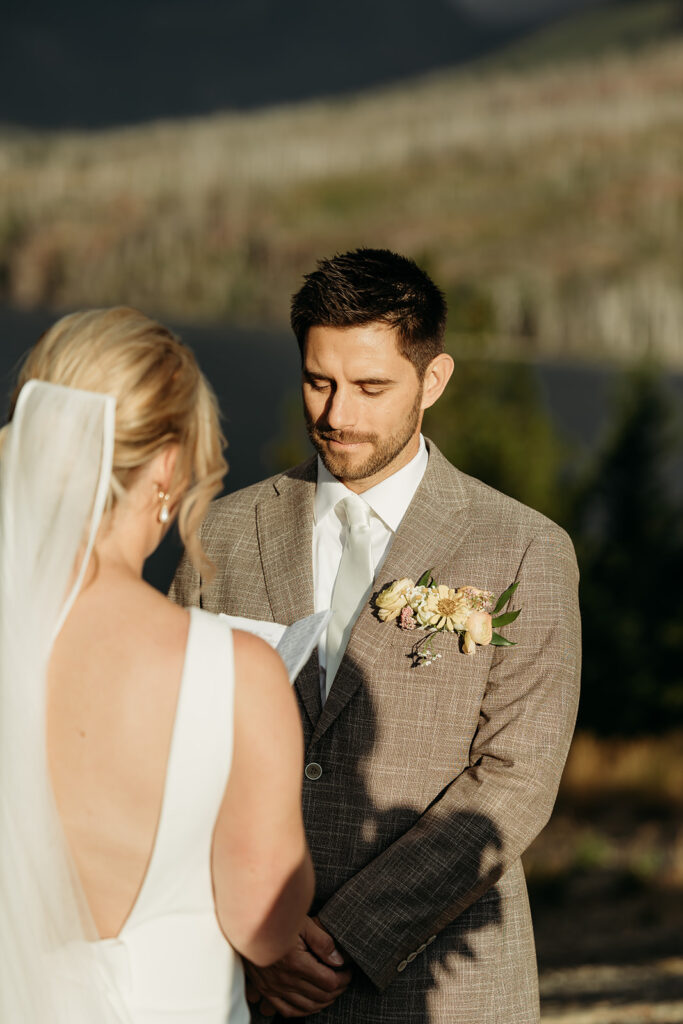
<point x="362" y="401"/>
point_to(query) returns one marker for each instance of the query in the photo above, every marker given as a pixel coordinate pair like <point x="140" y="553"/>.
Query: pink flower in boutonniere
<point x="470" y="612"/>
<point x="407" y="618"/>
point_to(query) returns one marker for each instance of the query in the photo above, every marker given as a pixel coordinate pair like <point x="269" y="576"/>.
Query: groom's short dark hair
<point x="370" y="286"/>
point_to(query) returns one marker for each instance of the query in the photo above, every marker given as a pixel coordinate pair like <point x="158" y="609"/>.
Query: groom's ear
<point x="436" y="378"/>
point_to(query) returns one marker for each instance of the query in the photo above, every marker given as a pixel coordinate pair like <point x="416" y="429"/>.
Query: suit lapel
<point x="436" y="522"/>
<point x="284" y="524"/>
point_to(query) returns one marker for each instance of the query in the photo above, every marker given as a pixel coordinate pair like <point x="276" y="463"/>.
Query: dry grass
<point x="618" y="812"/>
<point x="646" y="770"/>
<point x="642" y="994"/>
<point x="606" y="875"/>
<point x="548" y="203"/>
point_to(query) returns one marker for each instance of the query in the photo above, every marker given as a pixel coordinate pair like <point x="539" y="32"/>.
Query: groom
<point x="423" y="785"/>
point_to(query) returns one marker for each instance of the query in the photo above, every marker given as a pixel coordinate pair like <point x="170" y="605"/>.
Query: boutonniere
<point x="473" y="614"/>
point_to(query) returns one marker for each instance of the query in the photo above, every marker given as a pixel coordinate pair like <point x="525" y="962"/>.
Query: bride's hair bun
<point x="162" y="398"/>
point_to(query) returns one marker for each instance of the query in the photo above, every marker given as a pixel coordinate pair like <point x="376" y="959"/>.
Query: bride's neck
<point x="126" y="540"/>
<point x="122" y="560"/>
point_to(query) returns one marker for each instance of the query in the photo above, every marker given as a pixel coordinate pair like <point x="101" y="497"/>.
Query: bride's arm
<point x="263" y="877"/>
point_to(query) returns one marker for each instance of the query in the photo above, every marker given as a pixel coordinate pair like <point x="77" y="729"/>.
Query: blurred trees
<point x="628" y="531"/>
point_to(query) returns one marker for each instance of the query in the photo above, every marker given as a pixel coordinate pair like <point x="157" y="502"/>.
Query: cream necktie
<point x="353" y="583"/>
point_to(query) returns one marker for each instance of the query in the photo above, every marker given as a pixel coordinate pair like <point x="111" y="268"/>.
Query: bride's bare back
<point x="114" y="679"/>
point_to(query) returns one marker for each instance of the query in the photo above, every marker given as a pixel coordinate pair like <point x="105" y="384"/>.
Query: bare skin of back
<point x="113" y="685"/>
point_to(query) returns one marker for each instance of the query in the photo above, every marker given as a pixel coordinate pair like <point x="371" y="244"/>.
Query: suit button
<point x="402" y="966"/>
<point x="313" y="771"/>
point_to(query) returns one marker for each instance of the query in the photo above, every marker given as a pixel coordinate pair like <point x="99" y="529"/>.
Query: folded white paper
<point x="271" y="632"/>
<point x="293" y="643"/>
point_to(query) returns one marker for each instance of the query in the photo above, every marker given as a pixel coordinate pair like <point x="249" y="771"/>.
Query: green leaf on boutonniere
<point x="500" y="641"/>
<point x="426" y="579"/>
<point x="505" y="597"/>
<point x="505" y="619"/>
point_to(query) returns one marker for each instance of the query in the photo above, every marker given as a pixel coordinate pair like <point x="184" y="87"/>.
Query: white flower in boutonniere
<point x="472" y="613"/>
<point x="393" y="599"/>
<point x="449" y="609"/>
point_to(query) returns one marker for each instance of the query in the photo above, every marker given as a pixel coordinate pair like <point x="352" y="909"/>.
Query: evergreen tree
<point x="630" y="548"/>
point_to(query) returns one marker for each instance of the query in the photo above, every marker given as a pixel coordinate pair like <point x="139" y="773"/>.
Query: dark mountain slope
<point x="81" y="64"/>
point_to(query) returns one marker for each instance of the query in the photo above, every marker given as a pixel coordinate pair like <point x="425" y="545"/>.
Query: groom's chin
<point x="341" y="465"/>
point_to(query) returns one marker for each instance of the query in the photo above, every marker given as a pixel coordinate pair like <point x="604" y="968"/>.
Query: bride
<point x="150" y="760"/>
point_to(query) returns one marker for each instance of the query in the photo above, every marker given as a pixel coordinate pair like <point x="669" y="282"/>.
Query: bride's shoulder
<point x="161" y="618"/>
<point x="122" y="629"/>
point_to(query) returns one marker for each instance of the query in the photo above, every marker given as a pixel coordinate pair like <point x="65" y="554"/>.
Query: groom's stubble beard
<point x="385" y="449"/>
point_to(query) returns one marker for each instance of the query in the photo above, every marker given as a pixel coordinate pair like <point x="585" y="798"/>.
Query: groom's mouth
<point x="345" y="441"/>
<point x="343" y="445"/>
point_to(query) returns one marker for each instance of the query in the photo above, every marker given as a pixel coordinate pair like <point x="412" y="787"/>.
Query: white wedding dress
<point x="170" y="963"/>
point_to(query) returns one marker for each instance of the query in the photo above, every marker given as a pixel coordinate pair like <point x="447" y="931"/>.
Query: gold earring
<point x="164" y="513"/>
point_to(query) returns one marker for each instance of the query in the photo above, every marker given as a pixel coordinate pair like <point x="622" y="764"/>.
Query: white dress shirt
<point x="388" y="501"/>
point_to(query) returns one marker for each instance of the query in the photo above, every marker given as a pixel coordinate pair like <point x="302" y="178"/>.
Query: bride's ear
<point x="161" y="470"/>
<point x="166" y="466"/>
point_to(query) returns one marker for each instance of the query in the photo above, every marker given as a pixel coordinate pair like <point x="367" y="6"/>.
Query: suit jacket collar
<point x="284" y="525"/>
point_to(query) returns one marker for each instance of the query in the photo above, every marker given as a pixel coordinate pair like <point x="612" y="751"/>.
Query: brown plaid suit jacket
<point x="434" y="780"/>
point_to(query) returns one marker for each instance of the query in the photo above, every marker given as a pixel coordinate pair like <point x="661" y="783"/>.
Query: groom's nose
<point x="339" y="411"/>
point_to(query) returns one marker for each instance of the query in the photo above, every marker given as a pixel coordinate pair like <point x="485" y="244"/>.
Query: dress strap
<point x="197" y="772"/>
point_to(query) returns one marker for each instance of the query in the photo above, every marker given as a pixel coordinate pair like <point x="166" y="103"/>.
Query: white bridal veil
<point x="55" y="467"/>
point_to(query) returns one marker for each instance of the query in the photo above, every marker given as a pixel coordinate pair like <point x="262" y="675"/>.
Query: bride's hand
<point x="305" y="980"/>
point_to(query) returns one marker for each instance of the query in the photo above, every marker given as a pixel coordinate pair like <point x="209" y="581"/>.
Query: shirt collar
<point x="389" y="499"/>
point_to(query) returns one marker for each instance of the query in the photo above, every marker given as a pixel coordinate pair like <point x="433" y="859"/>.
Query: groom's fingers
<point x="298" y="982"/>
<point x="301" y="967"/>
<point x="267" y="1008"/>
<point x="290" y="986"/>
<point x="304" y="975"/>
<point x="303" y="981"/>
<point x="294" y="1005"/>
<point x="320" y="942"/>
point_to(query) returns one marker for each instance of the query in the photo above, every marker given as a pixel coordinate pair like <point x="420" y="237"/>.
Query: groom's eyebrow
<point x="375" y="381"/>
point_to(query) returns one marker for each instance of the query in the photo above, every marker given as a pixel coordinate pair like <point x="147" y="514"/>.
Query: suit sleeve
<point x="487" y="816"/>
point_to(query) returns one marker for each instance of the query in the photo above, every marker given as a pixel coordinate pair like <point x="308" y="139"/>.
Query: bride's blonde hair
<point x="162" y="398"/>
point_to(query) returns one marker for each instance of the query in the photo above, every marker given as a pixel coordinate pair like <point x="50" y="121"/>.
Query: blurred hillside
<point x="546" y="199"/>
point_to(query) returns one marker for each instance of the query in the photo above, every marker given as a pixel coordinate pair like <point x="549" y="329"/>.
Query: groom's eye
<point x="318" y="385"/>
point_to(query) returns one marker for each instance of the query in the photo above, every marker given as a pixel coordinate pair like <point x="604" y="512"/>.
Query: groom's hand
<point x="307" y="979"/>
